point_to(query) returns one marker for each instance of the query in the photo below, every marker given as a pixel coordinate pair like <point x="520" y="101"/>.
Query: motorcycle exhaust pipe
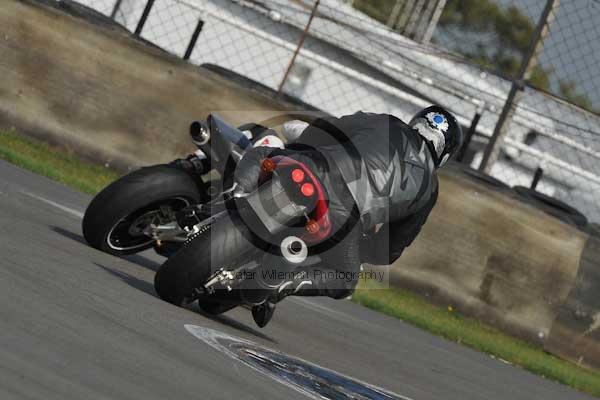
<point x="294" y="250"/>
<point x="200" y="133"/>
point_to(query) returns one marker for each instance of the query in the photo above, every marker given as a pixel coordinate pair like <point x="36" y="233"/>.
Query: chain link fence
<point x="521" y="75"/>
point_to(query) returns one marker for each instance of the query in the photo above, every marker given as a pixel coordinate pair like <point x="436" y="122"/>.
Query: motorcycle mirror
<point x="199" y="132"/>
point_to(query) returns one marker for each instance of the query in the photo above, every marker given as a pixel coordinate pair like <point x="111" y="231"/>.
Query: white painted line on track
<point x="319" y="307"/>
<point x="68" y="210"/>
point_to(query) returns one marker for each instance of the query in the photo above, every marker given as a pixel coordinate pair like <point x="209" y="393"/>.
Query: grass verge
<point x="451" y="325"/>
<point x="68" y="169"/>
<point x="48" y="161"/>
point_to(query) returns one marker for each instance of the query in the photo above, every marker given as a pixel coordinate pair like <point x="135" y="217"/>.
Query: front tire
<point x="109" y="223"/>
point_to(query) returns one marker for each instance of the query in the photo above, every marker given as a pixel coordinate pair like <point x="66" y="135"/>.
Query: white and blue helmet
<point x="441" y="130"/>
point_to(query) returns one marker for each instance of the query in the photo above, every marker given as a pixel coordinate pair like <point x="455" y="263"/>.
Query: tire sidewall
<point x="133" y="192"/>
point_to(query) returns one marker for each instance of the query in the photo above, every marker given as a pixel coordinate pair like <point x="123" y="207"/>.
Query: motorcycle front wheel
<point x="115" y="219"/>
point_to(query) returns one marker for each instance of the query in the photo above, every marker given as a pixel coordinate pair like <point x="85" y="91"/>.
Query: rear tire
<point x="552" y="206"/>
<point x="136" y="193"/>
<point x="593" y="229"/>
<point x="486" y="178"/>
<point x="225" y="244"/>
<point x="478" y="176"/>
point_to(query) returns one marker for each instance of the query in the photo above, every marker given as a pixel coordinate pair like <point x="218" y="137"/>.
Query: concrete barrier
<point x="494" y="257"/>
<point x="112" y="97"/>
<point x="575" y="334"/>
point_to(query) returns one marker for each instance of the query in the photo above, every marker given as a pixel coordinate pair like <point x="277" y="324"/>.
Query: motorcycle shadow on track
<point x="134" y="258"/>
<point x="148" y="288"/>
<point x="68" y="234"/>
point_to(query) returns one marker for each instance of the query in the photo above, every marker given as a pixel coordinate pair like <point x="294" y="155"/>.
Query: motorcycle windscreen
<point x="226" y="142"/>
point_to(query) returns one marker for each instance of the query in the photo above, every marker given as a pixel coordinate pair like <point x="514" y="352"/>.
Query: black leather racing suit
<point x="382" y="185"/>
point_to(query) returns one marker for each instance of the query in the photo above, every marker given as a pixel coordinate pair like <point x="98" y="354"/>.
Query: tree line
<point x="490" y="35"/>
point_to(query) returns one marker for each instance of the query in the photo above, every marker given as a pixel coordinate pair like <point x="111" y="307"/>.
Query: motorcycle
<point x="221" y="259"/>
<point x="137" y="211"/>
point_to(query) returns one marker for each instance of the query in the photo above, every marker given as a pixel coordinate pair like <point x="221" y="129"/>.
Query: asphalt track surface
<point x="76" y="323"/>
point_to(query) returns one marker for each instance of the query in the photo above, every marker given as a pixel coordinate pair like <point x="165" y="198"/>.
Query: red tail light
<point x="297" y="175"/>
<point x="318" y="226"/>
<point x="312" y="226"/>
<point x="307" y="189"/>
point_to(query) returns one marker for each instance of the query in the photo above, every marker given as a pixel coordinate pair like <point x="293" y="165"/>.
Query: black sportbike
<point x="220" y="259"/>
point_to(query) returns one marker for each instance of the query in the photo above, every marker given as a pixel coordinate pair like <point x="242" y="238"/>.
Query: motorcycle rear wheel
<point x="226" y="243"/>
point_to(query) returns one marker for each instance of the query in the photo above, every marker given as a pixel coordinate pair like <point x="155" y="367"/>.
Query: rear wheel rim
<point x="123" y="237"/>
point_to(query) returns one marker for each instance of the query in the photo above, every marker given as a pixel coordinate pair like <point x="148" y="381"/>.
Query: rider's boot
<point x="304" y="285"/>
<point x="320" y="280"/>
<point x="263" y="313"/>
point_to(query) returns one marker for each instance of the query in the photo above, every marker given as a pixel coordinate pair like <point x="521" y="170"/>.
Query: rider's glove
<point x="194" y="163"/>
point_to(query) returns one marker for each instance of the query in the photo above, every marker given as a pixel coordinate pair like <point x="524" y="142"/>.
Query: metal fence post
<point x="470" y="133"/>
<point x="539" y="172"/>
<point x="193" y="40"/>
<point x="516" y="91"/>
<point x="143" y="18"/>
<point x="115" y="9"/>
<point x="300" y="43"/>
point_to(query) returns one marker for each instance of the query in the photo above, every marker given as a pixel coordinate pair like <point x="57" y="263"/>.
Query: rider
<point x="380" y="174"/>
